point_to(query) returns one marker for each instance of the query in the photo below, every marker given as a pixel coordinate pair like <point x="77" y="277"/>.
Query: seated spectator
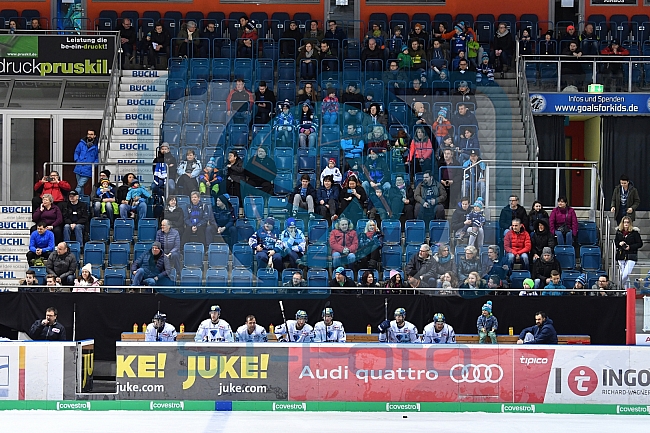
<point x="377" y="33"/>
<point x="368" y="283"/>
<point x="327" y="199"/>
<point x="164" y="169"/>
<point x="127" y="39"/>
<point x="495" y="264"/>
<point x="104" y="197"/>
<point x="373" y="57"/>
<point x="377" y="139"/>
<point x="330" y="107"/>
<point x="548" y="45"/>
<point x="245" y="48"/>
<point x="188" y="173"/>
<point x="152" y="268"/>
<point x="295" y="284"/>
<point x="188" y="41"/>
<point x="564" y="222"/>
<point x="304" y="196"/>
<point x="504" y="48"/>
<point x="468" y="140"/>
<point x="402" y="199"/>
<point x="418" y="56"/>
<point x="602" y="286"/>
<point x="170" y="244"/>
<point x="63" y="264"/>
<point x="537" y="212"/>
<point x="580" y="286"/>
<point x="469" y="263"/>
<point x="239" y="102"/>
<point x="429" y="196"/>
<point x="307" y="61"/>
<point x="418" y="92"/>
<point x="395" y="283"/>
<point x="293" y="243"/>
<point x="340" y="279"/>
<point x="174" y="215"/>
<point x="543" y="268"/>
<point x="314" y="34"/>
<point x="570" y="34"/>
<point x="376" y="172"/>
<point x="333" y="171"/>
<point x="487" y="324"/>
<point x="554" y="286"/>
<point x="463" y="116"/>
<point x="395" y="41"/>
<point x="53" y="186"/>
<point x="29" y="280"/>
<point x="197" y="220"/>
<point x="445" y="263"/>
<point x="542" y="332"/>
<point x="136" y="198"/>
<point x="517" y="244"/>
<point x="53" y="286"/>
<point x="284" y="124"/>
<point x="526" y="42"/>
<point x="485" y="72"/>
<point x="51" y="215"/>
<point x="75" y="218"/>
<point x="420" y="157"/>
<point x="448" y="143"/>
<point x="511" y="212"/>
<point x="352" y="143"/>
<point x="35" y="26"/>
<point x="86" y="282"/>
<point x="41" y="244"/>
<point x="589" y="41"/>
<point x="375" y="117"/>
<point x="156" y="45"/>
<point x="265" y="103"/>
<point x="307" y="127"/>
<point x="247" y="29"/>
<point x="541" y="238"/>
<point x="327" y="58"/>
<point x="404" y="59"/>
<point x="473" y="285"/>
<point x="613" y="72"/>
<point x="13" y="26"/>
<point x="353" y="200"/>
<point x="344" y="243"/>
<point x="308" y="93"/>
<point x="370" y="243"/>
<point x="261" y="171"/>
<point x="225" y="219"/>
<point x="439" y="54"/>
<point x="463" y="93"/>
<point x="291" y="38"/>
<point x="394" y="74"/>
<point x="422" y="268"/>
<point x="379" y="206"/>
<point x="447" y="282"/>
<point x="459" y="222"/>
<point x="267" y="246"/>
<point x="352" y="102"/>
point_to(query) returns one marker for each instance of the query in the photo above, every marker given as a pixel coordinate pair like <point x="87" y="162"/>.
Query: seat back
<point x="566" y="255"/>
<point x="147" y="228"/>
<point x="218" y="255"/>
<point x="193" y="254"/>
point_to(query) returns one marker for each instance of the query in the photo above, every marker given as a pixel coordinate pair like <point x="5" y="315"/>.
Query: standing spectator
<point x="87" y="151"/>
<point x="401" y="198"/>
<point x="544" y="267"/>
<point x="197" y="218"/>
<point x="170" y="243"/>
<point x="164" y="168"/>
<point x="572" y="72"/>
<point x="353" y="200"/>
<point x="542" y="332"/>
<point x="174" y="215"/>
<point x="151" y="268"/>
<point x="265" y="102"/>
<point x="420" y="151"/>
<point x="487" y="324"/>
<point x="625" y="200"/>
<point x="293" y="242"/>
<point x="537" y="212"/>
<point x="422" y="267"/>
<point x="136" y="202"/>
<point x="261" y="171"/>
<point x="187" y="40"/>
<point x="541" y="238"/>
<point x="234" y="174"/>
<point x="517" y="244"/>
<point x="86" y="281"/>
<point x="344" y="243"/>
<point x="54" y="186"/>
<point x="627" y="241"/>
<point x="104" y="197"/>
<point x="290" y="41"/>
<point x="156" y="44"/>
<point x="370" y="243"/>
<point x="225" y="219"/>
<point x="188" y="172"/>
<point x="51" y="215"/>
<point x="429" y="196"/>
<point x="267" y="246"/>
<point x="485" y="72"/>
<point x="75" y="218"/>
<point x="41" y="244"/>
<point x="511" y="212"/>
<point x="127" y="39"/>
<point x="451" y="176"/>
<point x="564" y="222"/>
<point x="504" y="47"/>
<point x="48" y="329"/>
<point x="327" y="198"/>
<point x="63" y="264"/>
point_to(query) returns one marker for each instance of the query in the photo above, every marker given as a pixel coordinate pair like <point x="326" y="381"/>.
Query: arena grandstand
<point x="430" y="157"/>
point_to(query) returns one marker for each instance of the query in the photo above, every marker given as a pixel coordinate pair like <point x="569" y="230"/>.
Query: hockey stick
<point x="327" y="304"/>
<point x="285" y="321"/>
<point x="385" y="308"/>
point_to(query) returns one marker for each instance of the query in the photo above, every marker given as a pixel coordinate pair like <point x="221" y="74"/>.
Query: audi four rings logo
<point x="476" y="373"/>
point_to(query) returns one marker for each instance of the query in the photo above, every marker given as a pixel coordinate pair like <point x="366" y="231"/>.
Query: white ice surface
<point x="270" y="422"/>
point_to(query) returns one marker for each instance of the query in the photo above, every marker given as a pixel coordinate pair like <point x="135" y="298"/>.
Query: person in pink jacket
<point x="86" y="282"/>
<point x="564" y="222"/>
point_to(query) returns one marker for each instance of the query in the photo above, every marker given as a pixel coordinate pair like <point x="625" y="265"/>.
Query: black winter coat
<point x="633" y="240"/>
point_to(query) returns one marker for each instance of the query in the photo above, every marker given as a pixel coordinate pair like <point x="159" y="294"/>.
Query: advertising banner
<point x="613" y="2"/>
<point x="56" y="56"/>
<point x="201" y="371"/>
<point x="609" y="104"/>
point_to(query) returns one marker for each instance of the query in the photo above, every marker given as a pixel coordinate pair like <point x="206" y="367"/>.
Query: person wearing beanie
<point x="485" y="72"/>
<point x="543" y="332"/>
<point x="555" y="286"/>
<point x="543" y="268"/>
<point x="476" y="218"/>
<point x="580" y="286"/>
<point x="487" y="324"/>
<point x="104" y="197"/>
<point x="164" y="167"/>
<point x="152" y="268"/>
<point x="293" y="242"/>
<point x="267" y="246"/>
<point x="331" y="170"/>
<point x="404" y="59"/>
<point x="396" y="282"/>
<point x="340" y="279"/>
<point x="86" y="282"/>
<point x="528" y="285"/>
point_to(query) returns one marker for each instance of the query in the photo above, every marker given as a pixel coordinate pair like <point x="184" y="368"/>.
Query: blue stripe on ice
<point x="223" y="406"/>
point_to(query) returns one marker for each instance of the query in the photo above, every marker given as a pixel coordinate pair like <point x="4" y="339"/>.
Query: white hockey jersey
<point x="406" y="334"/>
<point x="214" y="332"/>
<point x="335" y="333"/>
<point x="258" y="335"/>
<point x="168" y="333"/>
<point x="446" y="336"/>
<point x="294" y="335"/>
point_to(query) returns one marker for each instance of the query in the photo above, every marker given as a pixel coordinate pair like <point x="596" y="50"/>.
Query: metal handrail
<point x="111" y="103"/>
<point x="605" y="224"/>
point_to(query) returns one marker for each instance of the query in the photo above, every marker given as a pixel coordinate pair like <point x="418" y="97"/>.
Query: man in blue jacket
<point x="86" y="151"/>
<point x="542" y="333"/>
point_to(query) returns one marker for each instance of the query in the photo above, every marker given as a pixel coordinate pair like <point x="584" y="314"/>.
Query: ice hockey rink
<point x="335" y="422"/>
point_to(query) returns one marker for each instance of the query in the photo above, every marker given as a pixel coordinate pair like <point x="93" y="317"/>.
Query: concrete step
<point x="120" y="138"/>
<point x="145" y="73"/>
<point x="158" y="81"/>
<point x="142" y="87"/>
<point x="137" y="131"/>
<point x="490" y="134"/>
<point x="139" y="102"/>
<point x="155" y="116"/>
<point x="124" y="108"/>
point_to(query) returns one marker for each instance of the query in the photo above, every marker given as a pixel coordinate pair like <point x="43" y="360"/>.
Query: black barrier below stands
<point x="105" y="316"/>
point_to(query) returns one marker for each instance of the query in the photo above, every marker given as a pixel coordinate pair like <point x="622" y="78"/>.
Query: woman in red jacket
<point x="564" y="222"/>
<point x="53" y="185"/>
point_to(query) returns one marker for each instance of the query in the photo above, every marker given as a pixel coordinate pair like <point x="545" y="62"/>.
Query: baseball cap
<point x="73" y="192"/>
<point x="339" y="270"/>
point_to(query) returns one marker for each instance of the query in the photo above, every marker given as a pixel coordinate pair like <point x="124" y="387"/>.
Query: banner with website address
<point x="433" y="373"/>
<point x="201" y="371"/>
<point x="56" y="56"/>
<point x="607" y="104"/>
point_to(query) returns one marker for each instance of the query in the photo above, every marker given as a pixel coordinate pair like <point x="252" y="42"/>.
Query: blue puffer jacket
<point x="85" y="153"/>
<point x="545" y="334"/>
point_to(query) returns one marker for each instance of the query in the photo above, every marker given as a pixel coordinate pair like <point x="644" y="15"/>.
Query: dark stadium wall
<point x="608" y="10"/>
<point x="551" y="145"/>
<point x="575" y="132"/>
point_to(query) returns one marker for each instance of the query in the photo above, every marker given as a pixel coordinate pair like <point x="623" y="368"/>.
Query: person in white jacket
<point x="86" y="281"/>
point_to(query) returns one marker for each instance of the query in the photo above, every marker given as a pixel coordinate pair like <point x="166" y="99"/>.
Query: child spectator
<point x="485" y="72"/>
<point x="136" y="199"/>
<point x="527" y="286"/>
<point x="477" y="220"/>
<point x="284" y="123"/>
<point x="487" y="324"/>
<point x="330" y="107"/>
<point x="104" y="191"/>
<point x="333" y="171"/>
<point x="405" y="61"/>
<point x="86" y="282"/>
<point x="210" y="179"/>
<point x="442" y="125"/>
<point x="555" y="287"/>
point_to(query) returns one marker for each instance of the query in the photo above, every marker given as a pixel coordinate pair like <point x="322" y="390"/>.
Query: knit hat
<point x="135" y="182"/>
<point x="404" y="47"/>
<point x="547" y="250"/>
<point x="393" y="273"/>
<point x="570" y="27"/>
<point x="270" y="221"/>
<point x="457" y="27"/>
<point x="442" y="112"/>
<point x="331" y="160"/>
<point x="478" y="204"/>
<point x="87" y="267"/>
<point x="339" y="270"/>
<point x="487" y="307"/>
<point x="485" y="56"/>
<point x="528" y="284"/>
<point x="582" y="279"/>
<point x="291" y="222"/>
<point x="164" y="144"/>
<point x="105" y="181"/>
<point x="156" y="244"/>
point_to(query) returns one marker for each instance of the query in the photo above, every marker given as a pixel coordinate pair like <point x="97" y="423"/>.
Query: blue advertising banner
<point x="612" y="104"/>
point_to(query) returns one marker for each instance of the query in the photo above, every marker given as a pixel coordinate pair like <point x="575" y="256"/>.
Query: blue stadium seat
<point x="590" y="258"/>
<point x="317" y="256"/>
<point x="215" y="135"/>
<point x="140" y="248"/>
<point x="75" y="248"/>
<point x="267" y="280"/>
<point x="569" y="278"/>
<point x="410" y="251"/>
<point x="254" y="207"/>
<point x="219" y="90"/>
<point x="438" y="232"/>
<point x="41" y="273"/>
<point x="278" y="207"/>
<point x="391" y="256"/>
<point x="392" y="231"/>
<point x="218" y="255"/>
<point x="174" y="111"/>
<point x="284" y="158"/>
<point x="193" y="254"/>
<point x="123" y="229"/>
<point x="317" y="278"/>
<point x="100" y="229"/>
<point x="414" y="232"/>
<point x="94" y="253"/>
<point x="517" y="279"/>
<point x="286" y="71"/>
<point x="196" y="112"/>
<point x="118" y="254"/>
<point x="286" y="90"/>
<point x="245" y="230"/>
<point x="283" y="183"/>
<point x="566" y="255"/>
<point x="216" y="281"/>
<point x="242" y="281"/>
<point x="147" y="228"/>
<point x="114" y="277"/>
<point x="318" y="231"/>
<point x="587" y="233"/>
<point x="242" y="256"/>
<point x="192" y="277"/>
<point x="171" y="133"/>
<point x="192" y="135"/>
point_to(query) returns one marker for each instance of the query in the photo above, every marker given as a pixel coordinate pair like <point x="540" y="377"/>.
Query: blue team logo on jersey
<point x="537" y="103"/>
<point x="214" y="333"/>
<point x="400" y="338"/>
<point x="330" y="334"/>
<point x="436" y="340"/>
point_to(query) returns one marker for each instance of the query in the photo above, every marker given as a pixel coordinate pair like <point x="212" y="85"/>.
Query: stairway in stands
<point x="501" y="136"/>
<point x="136" y="126"/>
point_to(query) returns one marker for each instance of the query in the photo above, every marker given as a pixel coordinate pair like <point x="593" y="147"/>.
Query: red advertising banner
<point x="418" y="373"/>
